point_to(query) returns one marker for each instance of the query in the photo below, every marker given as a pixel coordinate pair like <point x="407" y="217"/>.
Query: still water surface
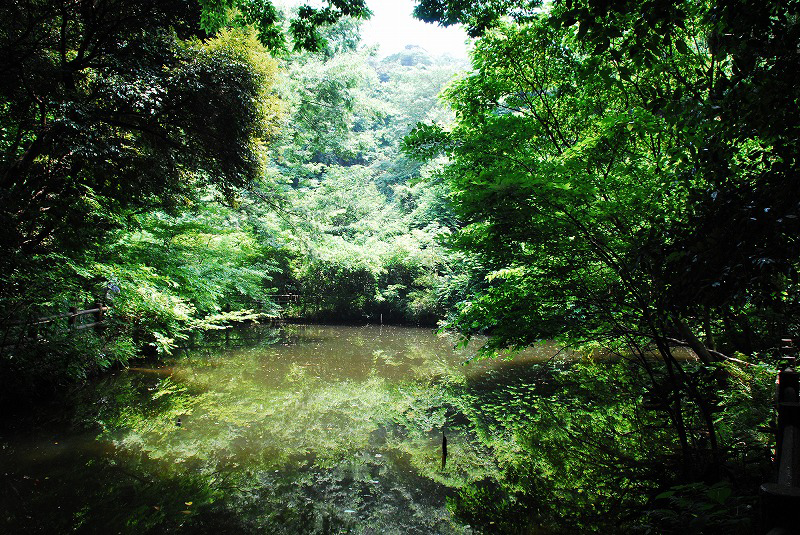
<point x="306" y="429"/>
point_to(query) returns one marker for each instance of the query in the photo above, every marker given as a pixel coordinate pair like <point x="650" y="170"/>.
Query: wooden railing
<point x="21" y="332"/>
<point x="285" y="299"/>
<point x="73" y="315"/>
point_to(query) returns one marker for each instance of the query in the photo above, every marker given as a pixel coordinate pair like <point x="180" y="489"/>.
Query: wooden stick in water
<point x="444" y="451"/>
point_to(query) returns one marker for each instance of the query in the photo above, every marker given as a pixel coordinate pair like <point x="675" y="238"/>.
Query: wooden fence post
<point x="98" y="316"/>
<point x="780" y="501"/>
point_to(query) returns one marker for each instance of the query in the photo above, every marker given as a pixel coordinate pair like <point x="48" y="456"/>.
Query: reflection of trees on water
<point x="302" y="434"/>
<point x="318" y="429"/>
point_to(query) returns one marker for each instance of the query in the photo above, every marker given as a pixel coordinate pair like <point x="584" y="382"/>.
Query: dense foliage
<point x="638" y="146"/>
<point x="180" y="164"/>
<point x="626" y="190"/>
<point x="134" y="146"/>
<point x="364" y="232"/>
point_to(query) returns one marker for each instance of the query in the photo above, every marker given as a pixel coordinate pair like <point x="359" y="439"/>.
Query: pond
<point x="302" y="429"/>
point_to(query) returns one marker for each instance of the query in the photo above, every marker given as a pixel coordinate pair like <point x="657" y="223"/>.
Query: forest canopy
<point x="639" y="185"/>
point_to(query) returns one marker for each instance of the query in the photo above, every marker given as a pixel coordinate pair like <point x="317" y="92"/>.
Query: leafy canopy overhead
<point x="263" y="15"/>
<point x="476" y="15"/>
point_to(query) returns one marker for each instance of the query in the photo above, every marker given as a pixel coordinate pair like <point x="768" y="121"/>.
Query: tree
<point x="620" y="183"/>
<point x="730" y="63"/>
<point x="305" y="28"/>
<point x="362" y="238"/>
<point x="112" y="109"/>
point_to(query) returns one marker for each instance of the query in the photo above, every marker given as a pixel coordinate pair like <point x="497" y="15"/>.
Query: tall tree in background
<point x="362" y="235"/>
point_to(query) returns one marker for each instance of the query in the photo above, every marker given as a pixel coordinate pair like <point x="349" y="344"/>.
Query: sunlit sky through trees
<point x="393" y="26"/>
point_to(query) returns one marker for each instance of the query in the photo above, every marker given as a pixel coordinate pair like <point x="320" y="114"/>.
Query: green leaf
<point x="719" y="494"/>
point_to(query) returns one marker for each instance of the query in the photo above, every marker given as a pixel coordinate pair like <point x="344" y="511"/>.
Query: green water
<point x="309" y="429"/>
